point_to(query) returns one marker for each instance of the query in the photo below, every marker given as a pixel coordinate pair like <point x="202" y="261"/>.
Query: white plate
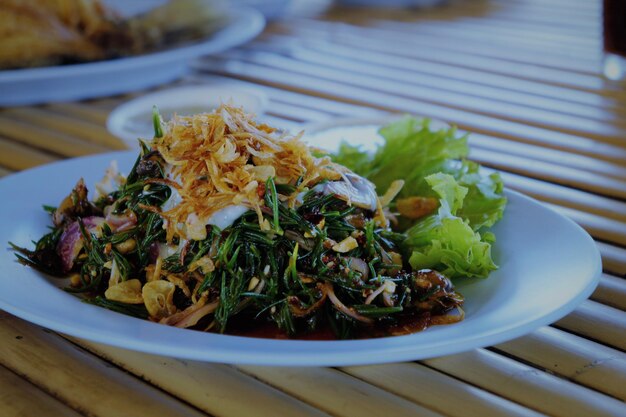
<point x="548" y="265"/>
<point x="116" y="76"/>
<point x="133" y="119"/>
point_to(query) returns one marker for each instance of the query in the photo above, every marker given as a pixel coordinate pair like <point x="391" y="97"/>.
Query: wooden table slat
<point x="411" y="60"/>
<point x="214" y="388"/>
<point x="518" y="34"/>
<point x="457" y="91"/>
<point x="613" y="258"/>
<point x="68" y="125"/>
<point x="566" y="197"/>
<point x="434" y="43"/>
<point x="576" y="11"/>
<point x="19" y="398"/>
<point x="438" y="391"/>
<point x="607" y="230"/>
<point x="80" y="111"/>
<point x="335" y="392"/>
<point x="580" y="360"/>
<point x="564" y="175"/>
<point x="16" y="156"/>
<point x="598" y="322"/>
<point x="47" y="139"/>
<point x="552" y="156"/>
<point x="529" y="386"/>
<point x="611" y="291"/>
<point x="565" y="78"/>
<point x="79" y="379"/>
<point x="490" y="27"/>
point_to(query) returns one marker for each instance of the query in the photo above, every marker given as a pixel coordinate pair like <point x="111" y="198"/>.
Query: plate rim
<point x="341" y="357"/>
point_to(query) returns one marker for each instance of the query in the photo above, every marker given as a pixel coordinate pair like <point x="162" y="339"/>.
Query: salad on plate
<point x="227" y="225"/>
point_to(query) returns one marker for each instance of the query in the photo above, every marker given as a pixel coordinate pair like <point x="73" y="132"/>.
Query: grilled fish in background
<point x="36" y="33"/>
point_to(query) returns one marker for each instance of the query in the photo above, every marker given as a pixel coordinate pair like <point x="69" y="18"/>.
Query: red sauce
<point x="407" y="324"/>
<point x="271" y="331"/>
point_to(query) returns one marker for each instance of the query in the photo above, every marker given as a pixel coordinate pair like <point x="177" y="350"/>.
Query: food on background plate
<point x="51" y="32"/>
<point x="225" y="225"/>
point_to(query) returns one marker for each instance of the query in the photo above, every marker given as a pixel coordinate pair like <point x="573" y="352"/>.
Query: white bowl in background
<point x="133" y="119"/>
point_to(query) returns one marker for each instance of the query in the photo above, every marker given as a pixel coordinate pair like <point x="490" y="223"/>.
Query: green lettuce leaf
<point x="445" y="242"/>
<point x="484" y="204"/>
<point x="412" y="151"/>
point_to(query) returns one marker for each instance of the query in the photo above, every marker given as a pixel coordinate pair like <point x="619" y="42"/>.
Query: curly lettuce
<point x="412" y="151"/>
<point x="484" y="204"/>
<point x="446" y="242"/>
<point x="432" y="163"/>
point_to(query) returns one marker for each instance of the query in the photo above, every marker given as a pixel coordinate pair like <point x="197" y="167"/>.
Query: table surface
<point x="522" y="75"/>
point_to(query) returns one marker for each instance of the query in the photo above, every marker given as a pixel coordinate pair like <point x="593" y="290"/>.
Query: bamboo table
<point x="522" y="75"/>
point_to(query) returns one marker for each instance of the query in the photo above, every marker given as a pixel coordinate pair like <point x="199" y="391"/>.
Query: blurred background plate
<point x="133" y="119"/>
<point x="116" y="76"/>
<point x="278" y="9"/>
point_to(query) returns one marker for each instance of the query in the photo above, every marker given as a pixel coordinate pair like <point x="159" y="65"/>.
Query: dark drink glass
<point x="614" y="33"/>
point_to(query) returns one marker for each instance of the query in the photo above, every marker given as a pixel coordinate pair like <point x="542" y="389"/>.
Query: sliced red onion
<point x="71" y="241"/>
<point x="153" y="252"/>
<point x="345" y="310"/>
